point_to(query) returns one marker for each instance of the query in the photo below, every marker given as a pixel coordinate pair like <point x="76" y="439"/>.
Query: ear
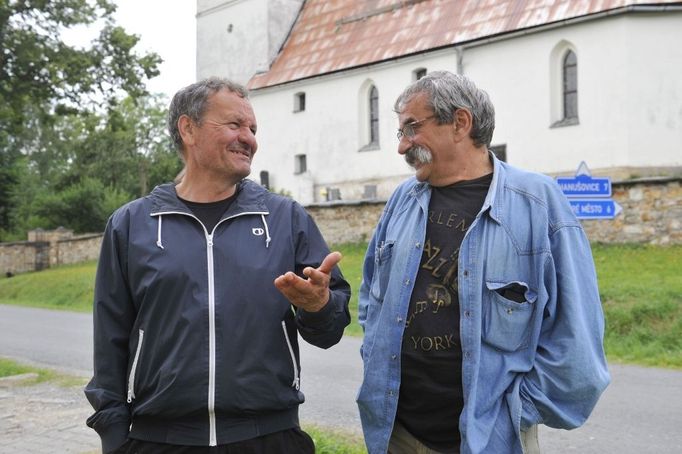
<point x="463" y="123"/>
<point x="187" y="129"/>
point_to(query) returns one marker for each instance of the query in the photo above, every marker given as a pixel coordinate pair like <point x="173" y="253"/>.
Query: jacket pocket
<point x="296" y="383"/>
<point x="133" y="369"/>
<point x="507" y="312"/>
<point x="382" y="259"/>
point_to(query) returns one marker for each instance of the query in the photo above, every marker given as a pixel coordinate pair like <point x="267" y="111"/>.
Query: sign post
<point x="588" y="196"/>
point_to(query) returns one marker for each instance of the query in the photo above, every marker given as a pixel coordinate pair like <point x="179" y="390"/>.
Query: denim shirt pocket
<point x="382" y="259"/>
<point x="507" y="313"/>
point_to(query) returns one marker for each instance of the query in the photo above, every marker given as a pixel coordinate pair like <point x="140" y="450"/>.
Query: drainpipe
<point x="459" y="52"/>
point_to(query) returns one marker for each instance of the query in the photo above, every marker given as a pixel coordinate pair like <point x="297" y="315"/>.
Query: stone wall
<point x="22" y="256"/>
<point x="652" y="213"/>
<point x="78" y="249"/>
<point x="347" y="222"/>
<point x="46" y="248"/>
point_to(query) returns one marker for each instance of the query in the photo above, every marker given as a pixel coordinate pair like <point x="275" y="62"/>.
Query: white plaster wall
<point x="281" y="17"/>
<point x="629" y="94"/>
<point x="329" y="131"/>
<point x="235" y="54"/>
<point x="630" y="107"/>
<point x="652" y="103"/>
<point x="258" y="29"/>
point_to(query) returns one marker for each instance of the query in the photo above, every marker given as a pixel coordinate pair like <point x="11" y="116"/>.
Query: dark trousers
<point x="290" y="441"/>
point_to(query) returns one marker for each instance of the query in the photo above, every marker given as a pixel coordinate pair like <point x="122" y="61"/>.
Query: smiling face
<point x="224" y="142"/>
<point x="430" y="149"/>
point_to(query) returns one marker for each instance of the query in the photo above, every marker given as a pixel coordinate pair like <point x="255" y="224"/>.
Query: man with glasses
<point x="479" y="299"/>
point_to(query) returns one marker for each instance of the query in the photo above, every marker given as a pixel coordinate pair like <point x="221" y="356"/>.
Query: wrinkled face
<point x="225" y="141"/>
<point x="429" y="148"/>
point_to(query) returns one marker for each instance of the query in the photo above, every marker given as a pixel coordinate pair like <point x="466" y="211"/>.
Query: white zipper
<point x="297" y="382"/>
<point x="213" y="439"/>
<point x="131" y="378"/>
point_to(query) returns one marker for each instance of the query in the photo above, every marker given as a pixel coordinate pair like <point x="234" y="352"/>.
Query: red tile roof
<point x="333" y="35"/>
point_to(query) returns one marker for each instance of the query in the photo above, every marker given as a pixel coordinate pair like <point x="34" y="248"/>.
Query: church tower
<point x="239" y="38"/>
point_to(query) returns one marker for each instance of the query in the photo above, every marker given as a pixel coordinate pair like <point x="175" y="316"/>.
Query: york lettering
<point x="437" y="343"/>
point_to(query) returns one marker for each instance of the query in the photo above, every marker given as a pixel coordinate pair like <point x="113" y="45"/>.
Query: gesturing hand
<point x="310" y="294"/>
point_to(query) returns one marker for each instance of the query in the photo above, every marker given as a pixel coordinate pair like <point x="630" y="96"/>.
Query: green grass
<point x="641" y="291"/>
<point x="335" y="442"/>
<point x="9" y="368"/>
<point x="67" y="287"/>
<point x="351" y="267"/>
<point x="640" y="287"/>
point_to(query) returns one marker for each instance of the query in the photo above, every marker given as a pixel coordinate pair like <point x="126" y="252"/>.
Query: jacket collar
<point x="421" y="191"/>
<point x="496" y="186"/>
<point x="250" y="199"/>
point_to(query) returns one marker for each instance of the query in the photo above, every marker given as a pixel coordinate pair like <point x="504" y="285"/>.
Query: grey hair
<point x="446" y="92"/>
<point x="192" y="101"/>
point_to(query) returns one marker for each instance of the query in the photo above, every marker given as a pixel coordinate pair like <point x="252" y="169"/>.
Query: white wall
<point x="629" y="94"/>
<point x="238" y="38"/>
<point x="630" y="107"/>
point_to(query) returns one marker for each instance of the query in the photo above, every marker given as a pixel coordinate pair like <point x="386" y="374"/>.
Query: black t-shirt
<point x="209" y="213"/>
<point x="431" y="372"/>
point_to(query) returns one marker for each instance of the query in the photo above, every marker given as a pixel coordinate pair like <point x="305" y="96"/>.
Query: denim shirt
<point x="538" y="361"/>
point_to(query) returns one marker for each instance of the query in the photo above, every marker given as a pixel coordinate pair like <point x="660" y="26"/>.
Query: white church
<point x="597" y="81"/>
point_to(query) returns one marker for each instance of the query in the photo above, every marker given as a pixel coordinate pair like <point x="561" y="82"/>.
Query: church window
<point x="570" y="85"/>
<point x="373" y="116"/>
<point x="563" y="85"/>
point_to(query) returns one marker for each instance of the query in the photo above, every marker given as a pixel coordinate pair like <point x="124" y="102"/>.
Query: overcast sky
<point x="165" y="27"/>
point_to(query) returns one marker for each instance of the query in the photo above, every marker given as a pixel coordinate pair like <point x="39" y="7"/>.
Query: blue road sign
<point x="585" y="186"/>
<point x="595" y="208"/>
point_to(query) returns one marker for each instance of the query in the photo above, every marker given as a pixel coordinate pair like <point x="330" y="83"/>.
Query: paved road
<point x="641" y="412"/>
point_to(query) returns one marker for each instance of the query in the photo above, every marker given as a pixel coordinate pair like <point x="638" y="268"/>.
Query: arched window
<point x="570" y="85"/>
<point x="373" y="116"/>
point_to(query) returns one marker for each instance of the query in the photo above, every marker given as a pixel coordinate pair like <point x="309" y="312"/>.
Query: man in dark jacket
<point x="202" y="287"/>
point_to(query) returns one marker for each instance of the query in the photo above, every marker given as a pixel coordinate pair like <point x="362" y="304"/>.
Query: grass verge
<point x="10" y="367"/>
<point x="68" y="287"/>
<point x="335" y="442"/>
<point x="641" y="292"/>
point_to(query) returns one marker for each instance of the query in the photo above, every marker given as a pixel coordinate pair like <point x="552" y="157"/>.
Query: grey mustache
<point x="418" y="154"/>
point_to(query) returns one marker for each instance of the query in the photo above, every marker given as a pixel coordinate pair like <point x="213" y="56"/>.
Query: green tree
<point x="42" y="78"/>
<point x="125" y="150"/>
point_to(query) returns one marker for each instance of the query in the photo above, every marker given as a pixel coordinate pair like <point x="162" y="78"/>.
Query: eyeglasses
<point x="409" y="129"/>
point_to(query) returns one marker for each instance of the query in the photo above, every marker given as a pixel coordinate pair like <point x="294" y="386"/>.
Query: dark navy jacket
<point x="194" y="344"/>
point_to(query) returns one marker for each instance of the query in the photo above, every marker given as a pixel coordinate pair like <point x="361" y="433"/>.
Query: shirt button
<point x="407" y="282"/>
<point x="399" y="320"/>
<point x="467" y="313"/>
<point x="465" y="273"/>
<point x="467" y="355"/>
<point x="417" y="245"/>
<point x="394" y="357"/>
